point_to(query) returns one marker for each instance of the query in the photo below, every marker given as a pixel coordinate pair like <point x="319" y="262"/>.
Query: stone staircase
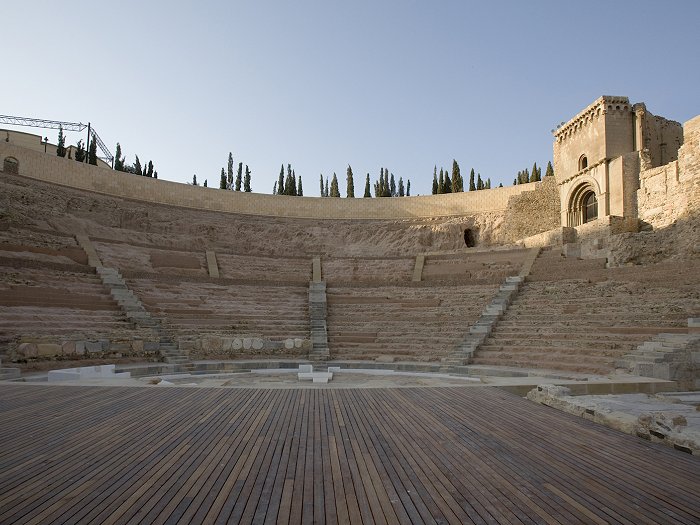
<point x="668" y="356"/>
<point x="8" y="373"/>
<point x="492" y="313"/>
<point x="480" y="330"/>
<point x="137" y="314"/>
<point x="319" y="329"/>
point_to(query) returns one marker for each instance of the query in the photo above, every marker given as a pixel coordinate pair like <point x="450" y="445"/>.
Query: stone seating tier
<point x="587" y="318"/>
<point x="404" y="322"/>
<point x="271" y="312"/>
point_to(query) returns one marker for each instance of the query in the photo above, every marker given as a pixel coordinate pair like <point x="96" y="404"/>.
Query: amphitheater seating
<point x="416" y="323"/>
<point x="49" y="302"/>
<point x="474" y="266"/>
<point x="270" y="311"/>
<point x="129" y="257"/>
<point x="293" y="269"/>
<point x="576" y="315"/>
<point x="370" y="270"/>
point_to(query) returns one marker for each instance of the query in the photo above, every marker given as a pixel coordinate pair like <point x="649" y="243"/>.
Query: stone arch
<point x="582" y="204"/>
<point x="10" y="165"/>
<point x="582" y="162"/>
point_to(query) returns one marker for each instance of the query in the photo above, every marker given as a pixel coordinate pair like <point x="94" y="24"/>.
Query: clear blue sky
<point x="323" y="84"/>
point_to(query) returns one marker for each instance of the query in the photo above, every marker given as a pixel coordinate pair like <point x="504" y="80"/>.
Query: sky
<point x="323" y="84"/>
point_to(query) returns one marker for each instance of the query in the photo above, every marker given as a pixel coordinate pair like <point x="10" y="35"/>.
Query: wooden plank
<point x="459" y="455"/>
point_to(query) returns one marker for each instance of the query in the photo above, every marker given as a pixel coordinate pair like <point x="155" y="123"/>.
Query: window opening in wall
<point x="582" y="162"/>
<point x="469" y="239"/>
<point x="590" y="207"/>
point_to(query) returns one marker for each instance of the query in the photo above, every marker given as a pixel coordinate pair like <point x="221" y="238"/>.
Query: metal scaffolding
<point x="67" y="126"/>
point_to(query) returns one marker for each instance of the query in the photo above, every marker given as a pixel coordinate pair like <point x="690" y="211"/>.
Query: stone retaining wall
<point x="66" y="172"/>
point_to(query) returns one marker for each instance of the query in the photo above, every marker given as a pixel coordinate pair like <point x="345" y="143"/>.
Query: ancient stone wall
<point x="41" y="166"/>
<point x="532" y="212"/>
<point x="672" y="191"/>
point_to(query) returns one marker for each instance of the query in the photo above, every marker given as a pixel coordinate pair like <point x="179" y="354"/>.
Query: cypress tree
<point x="392" y="187"/>
<point x="479" y="183"/>
<point x="274" y="188"/>
<point x="408" y="188"/>
<point x="118" y="159"/>
<point x="287" y="188"/>
<point x="246" y="180"/>
<point x="194" y="180"/>
<point x="92" y="154"/>
<point x="526" y="176"/>
<point x="335" y="191"/>
<point x="457" y="182"/>
<point x="534" y="177"/>
<point x="350" y="183"/>
<point x="280" y="181"/>
<point x="488" y="183"/>
<point x="402" y="192"/>
<point x="61" y="146"/>
<point x="137" y="166"/>
<point x="368" y="193"/>
<point x="149" y="173"/>
<point x="155" y="174"/>
<point x="326" y="194"/>
<point x="229" y="172"/>
<point x="294" y="184"/>
<point x="239" y="176"/>
<point x="80" y="152"/>
<point x="472" y="185"/>
<point x="300" y="190"/>
<point x="549" y="172"/>
<point x="322" y="192"/>
<point x="448" y="183"/>
<point x="515" y="181"/>
<point x="222" y="182"/>
<point x="387" y="187"/>
<point x="435" y="181"/>
<point x="205" y="183"/>
<point x="441" y="182"/>
<point x="500" y="184"/>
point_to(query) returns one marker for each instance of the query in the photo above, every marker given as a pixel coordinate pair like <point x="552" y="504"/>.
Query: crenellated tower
<point x="599" y="154"/>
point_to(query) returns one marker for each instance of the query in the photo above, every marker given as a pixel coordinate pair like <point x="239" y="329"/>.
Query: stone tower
<point x="599" y="154"/>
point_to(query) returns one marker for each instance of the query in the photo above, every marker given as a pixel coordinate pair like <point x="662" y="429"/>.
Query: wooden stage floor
<point x="414" y="455"/>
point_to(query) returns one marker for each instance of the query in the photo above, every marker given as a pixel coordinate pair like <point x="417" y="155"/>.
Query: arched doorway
<point x="583" y="205"/>
<point x="10" y="165"/>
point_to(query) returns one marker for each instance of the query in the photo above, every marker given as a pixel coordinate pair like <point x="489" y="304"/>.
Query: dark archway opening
<point x="10" y="165"/>
<point x="469" y="238"/>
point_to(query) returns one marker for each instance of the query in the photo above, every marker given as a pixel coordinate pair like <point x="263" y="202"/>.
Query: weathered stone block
<point x="137" y="345"/>
<point x="48" y="350"/>
<point x="80" y="348"/>
<point x="93" y="347"/>
<point x="247" y="343"/>
<point x="68" y="348"/>
<point x="212" y="343"/>
<point x="27" y="350"/>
